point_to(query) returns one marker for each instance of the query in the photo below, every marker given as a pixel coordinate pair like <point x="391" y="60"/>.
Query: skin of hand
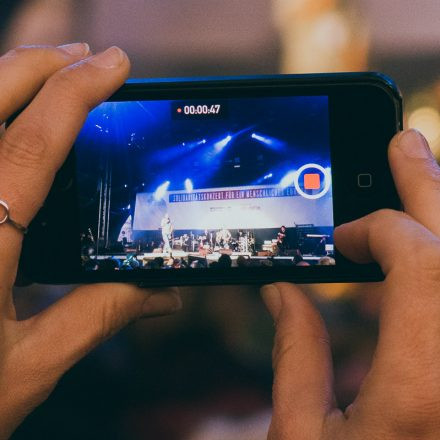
<point x="400" y="397"/>
<point x="60" y="85"/>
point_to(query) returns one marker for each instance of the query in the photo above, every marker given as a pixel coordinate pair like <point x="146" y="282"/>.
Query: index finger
<point x="25" y="69"/>
<point x="391" y="238"/>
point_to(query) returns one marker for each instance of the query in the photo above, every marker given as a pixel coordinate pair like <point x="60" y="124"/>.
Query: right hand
<point x="400" y="397"/>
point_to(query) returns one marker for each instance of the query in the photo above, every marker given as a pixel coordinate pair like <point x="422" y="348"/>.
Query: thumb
<point x="62" y="334"/>
<point x="303" y="375"/>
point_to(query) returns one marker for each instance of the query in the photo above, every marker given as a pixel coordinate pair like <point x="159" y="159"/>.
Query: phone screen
<point x="218" y="183"/>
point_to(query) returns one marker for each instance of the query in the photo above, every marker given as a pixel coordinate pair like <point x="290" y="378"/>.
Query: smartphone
<point x="219" y="181"/>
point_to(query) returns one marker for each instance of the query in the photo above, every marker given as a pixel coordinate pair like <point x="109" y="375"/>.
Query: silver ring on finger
<point x="5" y="218"/>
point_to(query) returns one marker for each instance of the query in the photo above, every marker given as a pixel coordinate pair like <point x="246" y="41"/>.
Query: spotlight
<point x="272" y="143"/>
<point x="262" y="139"/>
<point x="220" y="145"/>
<point x="288" y="179"/>
<point x="125" y="186"/>
<point x="160" y="192"/>
<point x="189" y="185"/>
<point x="268" y="176"/>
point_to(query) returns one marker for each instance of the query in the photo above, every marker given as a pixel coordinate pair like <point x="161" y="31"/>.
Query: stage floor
<point x="209" y="257"/>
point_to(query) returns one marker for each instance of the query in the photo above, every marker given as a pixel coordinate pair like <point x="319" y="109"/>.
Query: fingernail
<point x="414" y="144"/>
<point x="76" y="49"/>
<point x="272" y="298"/>
<point x="109" y="59"/>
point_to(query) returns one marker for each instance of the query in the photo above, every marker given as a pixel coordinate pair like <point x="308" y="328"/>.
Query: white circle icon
<point x="327" y="181"/>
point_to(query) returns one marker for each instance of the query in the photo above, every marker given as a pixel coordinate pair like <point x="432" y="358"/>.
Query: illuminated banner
<point x="252" y="207"/>
<point x="232" y="194"/>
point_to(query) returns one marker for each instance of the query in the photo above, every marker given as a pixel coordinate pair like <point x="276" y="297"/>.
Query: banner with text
<point x="250" y="207"/>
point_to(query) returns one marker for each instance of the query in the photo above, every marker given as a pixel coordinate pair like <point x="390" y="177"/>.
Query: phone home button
<point x="365" y="180"/>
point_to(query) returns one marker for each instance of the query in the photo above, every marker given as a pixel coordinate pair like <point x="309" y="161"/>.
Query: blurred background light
<point x="427" y="121"/>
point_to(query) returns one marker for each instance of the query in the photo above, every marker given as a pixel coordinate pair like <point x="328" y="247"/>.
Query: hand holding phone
<point x="59" y="85"/>
<point x="399" y="396"/>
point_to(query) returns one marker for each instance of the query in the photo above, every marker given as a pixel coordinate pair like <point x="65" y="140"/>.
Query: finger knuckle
<point x="380" y="220"/>
<point x="416" y="414"/>
<point x="42" y="59"/>
<point x="25" y="146"/>
<point x="432" y="176"/>
<point x="421" y="252"/>
<point x="29" y="51"/>
<point x="68" y="84"/>
<point x="385" y="216"/>
<point x="427" y="258"/>
<point x="109" y="319"/>
<point x="282" y="347"/>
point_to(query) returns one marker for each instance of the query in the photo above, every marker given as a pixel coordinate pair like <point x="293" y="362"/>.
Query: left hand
<point x="62" y="85"/>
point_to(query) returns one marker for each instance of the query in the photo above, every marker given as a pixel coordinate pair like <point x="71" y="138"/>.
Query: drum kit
<point x="245" y="242"/>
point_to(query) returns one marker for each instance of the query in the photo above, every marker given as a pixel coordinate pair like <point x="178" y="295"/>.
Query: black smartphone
<point x="219" y="181"/>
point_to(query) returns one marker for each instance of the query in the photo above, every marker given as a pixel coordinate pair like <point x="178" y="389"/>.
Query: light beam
<point x="161" y="190"/>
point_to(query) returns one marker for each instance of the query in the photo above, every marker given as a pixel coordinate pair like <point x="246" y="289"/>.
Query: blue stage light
<point x="272" y="143"/>
<point x="160" y="192"/>
<point x="189" y="185"/>
<point x="222" y="144"/>
<point x="191" y="145"/>
<point x="288" y="179"/>
<point x="262" y="139"/>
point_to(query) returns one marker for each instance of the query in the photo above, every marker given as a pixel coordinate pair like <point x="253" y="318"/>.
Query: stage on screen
<point x="216" y="183"/>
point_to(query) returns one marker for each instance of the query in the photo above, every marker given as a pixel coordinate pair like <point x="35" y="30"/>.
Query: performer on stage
<point x="282" y="239"/>
<point x="167" y="230"/>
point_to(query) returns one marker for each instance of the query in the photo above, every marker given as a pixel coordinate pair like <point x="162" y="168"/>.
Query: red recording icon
<point x="312" y="181"/>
